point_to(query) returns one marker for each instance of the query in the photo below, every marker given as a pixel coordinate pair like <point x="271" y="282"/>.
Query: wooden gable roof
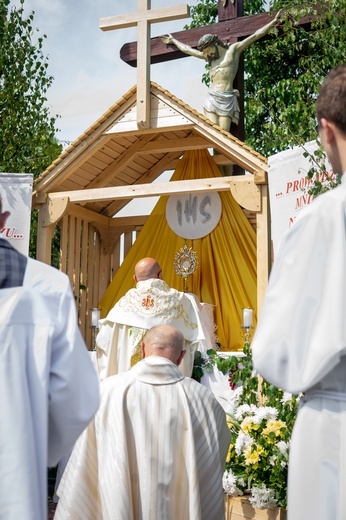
<point x="114" y="161"/>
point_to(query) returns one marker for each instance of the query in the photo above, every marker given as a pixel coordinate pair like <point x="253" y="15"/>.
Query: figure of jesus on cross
<point x="221" y="104"/>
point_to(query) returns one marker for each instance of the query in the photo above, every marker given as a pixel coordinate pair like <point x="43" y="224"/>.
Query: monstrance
<point x="185" y="263"/>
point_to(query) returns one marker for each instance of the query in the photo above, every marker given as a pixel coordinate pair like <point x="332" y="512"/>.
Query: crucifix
<point x="231" y="27"/>
<point x="143" y="18"/>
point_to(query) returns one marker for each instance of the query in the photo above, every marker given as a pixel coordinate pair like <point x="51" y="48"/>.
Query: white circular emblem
<point x="193" y="215"/>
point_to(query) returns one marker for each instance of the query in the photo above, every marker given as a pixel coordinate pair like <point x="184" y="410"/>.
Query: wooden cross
<point x="143" y="18"/>
<point x="231" y="27"/>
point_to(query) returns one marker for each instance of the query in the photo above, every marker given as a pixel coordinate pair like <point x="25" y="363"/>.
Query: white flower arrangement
<point x="261" y="419"/>
<point x="261" y="425"/>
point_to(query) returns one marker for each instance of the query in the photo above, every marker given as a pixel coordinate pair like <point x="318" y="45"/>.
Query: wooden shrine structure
<point x="115" y="161"/>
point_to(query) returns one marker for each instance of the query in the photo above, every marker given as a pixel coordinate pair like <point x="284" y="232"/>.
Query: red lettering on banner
<point x="11" y="233"/>
<point x="303" y="200"/>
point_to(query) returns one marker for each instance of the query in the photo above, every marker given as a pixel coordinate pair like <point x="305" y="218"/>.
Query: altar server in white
<point x="300" y="341"/>
<point x="152" y="302"/>
<point x="156" y="449"/>
<point x="49" y="388"/>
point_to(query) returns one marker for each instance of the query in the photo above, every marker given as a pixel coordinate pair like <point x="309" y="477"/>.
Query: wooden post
<point x="143" y="18"/>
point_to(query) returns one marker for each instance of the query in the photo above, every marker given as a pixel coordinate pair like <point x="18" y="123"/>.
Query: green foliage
<point x="321" y="179"/>
<point x="206" y="364"/>
<point x="204" y="13"/>
<point x="27" y="131"/>
<point x="283" y="72"/>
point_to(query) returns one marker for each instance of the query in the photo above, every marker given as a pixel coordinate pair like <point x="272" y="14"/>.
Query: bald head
<point x="147" y="268"/>
<point x="165" y="341"/>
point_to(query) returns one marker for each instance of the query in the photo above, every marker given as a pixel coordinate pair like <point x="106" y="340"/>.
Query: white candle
<point x="247" y="318"/>
<point x="95" y="316"/>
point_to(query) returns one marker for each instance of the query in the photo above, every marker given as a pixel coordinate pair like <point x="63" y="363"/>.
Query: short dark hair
<point x="331" y="102"/>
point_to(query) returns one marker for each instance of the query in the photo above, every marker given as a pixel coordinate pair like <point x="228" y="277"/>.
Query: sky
<point x="89" y="75"/>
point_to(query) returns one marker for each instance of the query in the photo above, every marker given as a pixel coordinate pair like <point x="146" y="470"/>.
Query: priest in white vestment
<point x="156" y="449"/>
<point x="152" y="302"/>
<point x="48" y="385"/>
<point x="300" y="341"/>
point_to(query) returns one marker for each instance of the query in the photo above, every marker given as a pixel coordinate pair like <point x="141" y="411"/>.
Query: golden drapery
<point x="226" y="272"/>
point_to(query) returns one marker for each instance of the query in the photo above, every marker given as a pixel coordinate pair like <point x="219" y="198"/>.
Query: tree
<point x="283" y="73"/>
<point x="27" y="131"/>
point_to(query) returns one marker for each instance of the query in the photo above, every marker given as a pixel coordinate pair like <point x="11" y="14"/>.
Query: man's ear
<point x="143" y="349"/>
<point x="328" y="129"/>
<point x="135" y="278"/>
<point x="181" y="357"/>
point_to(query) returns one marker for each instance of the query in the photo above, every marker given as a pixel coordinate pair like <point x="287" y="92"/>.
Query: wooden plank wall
<point x="80" y="258"/>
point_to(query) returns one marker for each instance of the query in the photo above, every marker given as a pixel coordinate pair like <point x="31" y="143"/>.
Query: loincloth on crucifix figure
<point x="222" y="104"/>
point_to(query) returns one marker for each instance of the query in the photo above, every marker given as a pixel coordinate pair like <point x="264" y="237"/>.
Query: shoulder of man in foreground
<point x="74" y="385"/>
<point x="192" y="388"/>
<point x="39" y="274"/>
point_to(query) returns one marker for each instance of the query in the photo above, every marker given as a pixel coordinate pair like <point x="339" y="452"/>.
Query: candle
<point x="247" y="318"/>
<point x="95" y="316"/>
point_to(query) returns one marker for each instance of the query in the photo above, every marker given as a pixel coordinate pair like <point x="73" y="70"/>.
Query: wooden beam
<point x="239" y="153"/>
<point x="163" y="14"/>
<point x="220" y="160"/>
<point x="151" y="190"/>
<point x="44" y="241"/>
<point x="100" y="220"/>
<point x="86" y="214"/>
<point x="229" y="31"/>
<point x="128" y="223"/>
<point x="247" y="194"/>
<point x="171" y="145"/>
<point x="263" y="237"/>
<point x="143" y="19"/>
<point x="53" y="210"/>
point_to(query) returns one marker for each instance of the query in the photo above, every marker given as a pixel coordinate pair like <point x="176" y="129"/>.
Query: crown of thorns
<point x="207" y="40"/>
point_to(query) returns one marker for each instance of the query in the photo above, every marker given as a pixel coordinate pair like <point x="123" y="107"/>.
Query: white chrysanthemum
<point x="272" y="460"/>
<point x="265" y="412"/>
<point x="283" y="446"/>
<point x="243" y="442"/>
<point x="233" y="400"/>
<point x="229" y="482"/>
<point x="286" y="398"/>
<point x="245" y="409"/>
<point x="241" y="411"/>
<point x="262" y="498"/>
<point x="241" y="482"/>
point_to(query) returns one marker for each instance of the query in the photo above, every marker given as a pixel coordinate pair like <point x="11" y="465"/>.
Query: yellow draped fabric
<point x="226" y="272"/>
